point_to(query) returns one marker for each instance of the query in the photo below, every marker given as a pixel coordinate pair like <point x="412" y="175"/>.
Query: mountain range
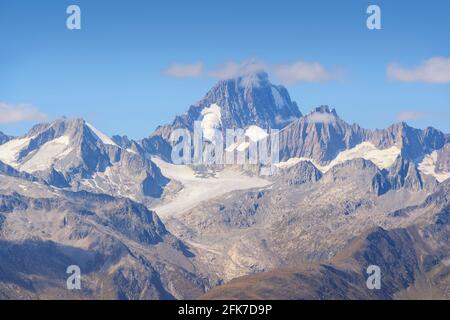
<point x="142" y="227"/>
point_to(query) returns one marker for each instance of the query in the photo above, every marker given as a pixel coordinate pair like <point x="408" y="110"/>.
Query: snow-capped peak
<point x="103" y="137"/>
<point x="46" y="144"/>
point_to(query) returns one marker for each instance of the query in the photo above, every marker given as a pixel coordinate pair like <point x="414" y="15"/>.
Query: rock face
<point x="404" y="276"/>
<point x="242" y="101"/>
<point x="413" y="142"/>
<point x="123" y="250"/>
<point x="443" y="159"/>
<point x="247" y="102"/>
<point x="409" y="260"/>
<point x="405" y="173"/>
<point x="304" y="172"/>
<point x="320" y="135"/>
<point x="10" y="171"/>
<point x="4" y="138"/>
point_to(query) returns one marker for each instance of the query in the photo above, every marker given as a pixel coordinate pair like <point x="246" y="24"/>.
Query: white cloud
<point x="302" y="71"/>
<point x="318" y="117"/>
<point x="409" y="115"/>
<point x="233" y="69"/>
<point x="250" y="69"/>
<point x="434" y="70"/>
<point x="10" y="113"/>
<point x="184" y="70"/>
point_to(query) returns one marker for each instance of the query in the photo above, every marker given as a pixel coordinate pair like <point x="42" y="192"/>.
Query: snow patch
<point x="103" y="137"/>
<point x="293" y="161"/>
<point x="131" y="151"/>
<point x="428" y="167"/>
<point x="9" y="151"/>
<point x="382" y="158"/>
<point x="47" y="155"/>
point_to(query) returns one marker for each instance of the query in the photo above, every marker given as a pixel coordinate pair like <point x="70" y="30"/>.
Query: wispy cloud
<point x="317" y="117"/>
<point x="249" y="71"/>
<point x="233" y="69"/>
<point x="12" y="113"/>
<point x="409" y="115"/>
<point x="434" y="70"/>
<point x="301" y="71"/>
<point x="184" y="70"/>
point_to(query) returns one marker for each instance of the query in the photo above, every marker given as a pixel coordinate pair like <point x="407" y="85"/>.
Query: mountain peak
<point x="250" y="80"/>
<point x="251" y="99"/>
<point x="58" y="126"/>
<point x="248" y="99"/>
<point x="325" y="109"/>
<point x="71" y="127"/>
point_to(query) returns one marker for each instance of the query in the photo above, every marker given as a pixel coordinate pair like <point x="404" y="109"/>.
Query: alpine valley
<point x="139" y="226"/>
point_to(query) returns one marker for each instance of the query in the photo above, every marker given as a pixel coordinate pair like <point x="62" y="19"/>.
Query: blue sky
<point x="113" y="72"/>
